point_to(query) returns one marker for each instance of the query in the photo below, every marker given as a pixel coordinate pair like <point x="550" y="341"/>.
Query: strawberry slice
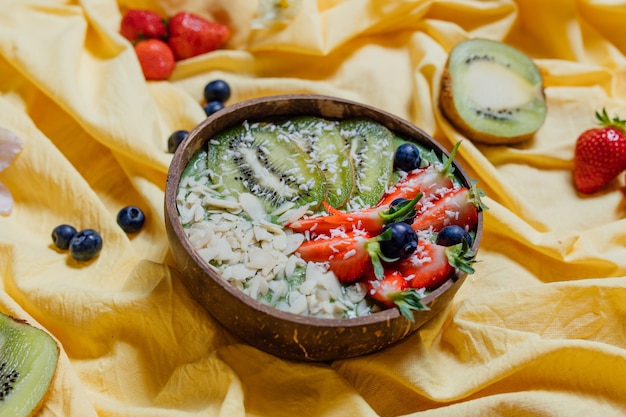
<point x="431" y="181"/>
<point x="345" y="253"/>
<point x="371" y="220"/>
<point x="393" y="291"/>
<point x="427" y="180"/>
<point x="350" y="255"/>
<point x="431" y="264"/>
<point x="458" y="206"/>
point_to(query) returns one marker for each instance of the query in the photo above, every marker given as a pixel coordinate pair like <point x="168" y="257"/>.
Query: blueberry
<point x="407" y="157"/>
<point x="401" y="241"/>
<point x="131" y="219"/>
<point x="176" y="139"/>
<point x="453" y="235"/>
<point x="217" y="90"/>
<point x="85" y="245"/>
<point x="61" y="236"/>
<point x="213" y="107"/>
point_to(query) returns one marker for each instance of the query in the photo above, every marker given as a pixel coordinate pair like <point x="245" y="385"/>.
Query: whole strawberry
<point x="600" y="154"/>
<point x="139" y="24"/>
<point x="191" y="35"/>
<point x="156" y="59"/>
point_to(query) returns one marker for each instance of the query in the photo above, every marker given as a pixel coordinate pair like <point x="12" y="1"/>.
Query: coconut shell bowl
<point x="285" y="334"/>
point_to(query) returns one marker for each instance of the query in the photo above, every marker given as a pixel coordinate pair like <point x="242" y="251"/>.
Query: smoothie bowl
<point x="316" y="228"/>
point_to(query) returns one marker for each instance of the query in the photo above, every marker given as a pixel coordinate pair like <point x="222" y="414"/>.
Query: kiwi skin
<point x="449" y="110"/>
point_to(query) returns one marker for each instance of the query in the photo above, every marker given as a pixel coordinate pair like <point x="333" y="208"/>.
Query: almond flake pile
<point x="252" y="251"/>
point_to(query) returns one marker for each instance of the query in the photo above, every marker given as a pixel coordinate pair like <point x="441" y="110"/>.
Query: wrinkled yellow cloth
<point x="538" y="330"/>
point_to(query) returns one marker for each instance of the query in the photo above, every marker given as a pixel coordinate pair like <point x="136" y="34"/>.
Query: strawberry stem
<point x="408" y="301"/>
<point x="448" y="169"/>
<point x="605" y="120"/>
<point x="372" y="247"/>
<point x="475" y="195"/>
<point x="402" y="211"/>
<point x="461" y="257"/>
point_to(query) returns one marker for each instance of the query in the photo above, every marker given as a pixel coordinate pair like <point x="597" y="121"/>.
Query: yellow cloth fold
<point x="537" y="330"/>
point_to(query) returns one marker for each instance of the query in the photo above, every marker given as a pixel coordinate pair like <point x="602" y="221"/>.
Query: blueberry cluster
<point x="83" y="245"/>
<point x="86" y="244"/>
<point x="216" y="93"/>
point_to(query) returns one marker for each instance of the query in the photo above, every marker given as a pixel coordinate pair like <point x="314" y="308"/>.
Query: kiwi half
<point x="304" y="160"/>
<point x="28" y="362"/>
<point x="260" y="159"/>
<point x="492" y="92"/>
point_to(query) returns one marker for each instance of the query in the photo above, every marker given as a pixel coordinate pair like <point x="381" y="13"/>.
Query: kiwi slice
<point x="259" y="158"/>
<point x="321" y="139"/>
<point x="371" y="147"/>
<point x="492" y="92"/>
<point x="28" y="362"/>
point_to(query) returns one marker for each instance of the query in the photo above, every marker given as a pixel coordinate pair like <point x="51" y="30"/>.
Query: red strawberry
<point x="139" y="24"/>
<point x="393" y="291"/>
<point x="458" y="206"/>
<point x="371" y="220"/>
<point x="191" y="35"/>
<point x="156" y="59"/>
<point x="600" y="154"/>
<point x="384" y="290"/>
<point x="352" y="254"/>
<point x="346" y="254"/>
<point x="429" y="180"/>
<point x="431" y="264"/>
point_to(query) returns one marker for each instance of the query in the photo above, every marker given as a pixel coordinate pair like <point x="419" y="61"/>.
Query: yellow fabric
<point x="538" y="330"/>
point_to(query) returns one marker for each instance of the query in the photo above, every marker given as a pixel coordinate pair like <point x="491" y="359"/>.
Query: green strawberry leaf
<point x="402" y="211"/>
<point x="408" y="301"/>
<point x="461" y="257"/>
<point x="605" y="120"/>
<point x="476" y="194"/>
<point x="448" y="169"/>
<point x="372" y="247"/>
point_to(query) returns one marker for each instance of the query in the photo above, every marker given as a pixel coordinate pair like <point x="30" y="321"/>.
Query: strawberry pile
<point x="416" y="238"/>
<point x="159" y="43"/>
<point x="600" y="154"/>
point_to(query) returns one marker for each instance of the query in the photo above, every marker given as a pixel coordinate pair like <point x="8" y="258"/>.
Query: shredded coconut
<point x="252" y="251"/>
